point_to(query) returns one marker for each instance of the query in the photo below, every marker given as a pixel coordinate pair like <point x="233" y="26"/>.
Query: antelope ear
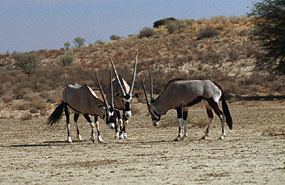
<point x="117" y="94"/>
<point x="101" y="106"/>
<point x="137" y="95"/>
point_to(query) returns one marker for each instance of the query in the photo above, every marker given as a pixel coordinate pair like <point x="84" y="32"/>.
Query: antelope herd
<point x="178" y="94"/>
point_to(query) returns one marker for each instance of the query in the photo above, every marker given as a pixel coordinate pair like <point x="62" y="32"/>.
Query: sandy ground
<point x="252" y="153"/>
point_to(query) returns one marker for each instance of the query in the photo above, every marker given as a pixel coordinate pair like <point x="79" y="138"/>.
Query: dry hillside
<point x="226" y="56"/>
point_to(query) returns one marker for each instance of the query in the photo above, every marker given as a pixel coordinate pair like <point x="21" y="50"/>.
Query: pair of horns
<point x="119" y="81"/>
<point x="102" y="92"/>
<point x="151" y="90"/>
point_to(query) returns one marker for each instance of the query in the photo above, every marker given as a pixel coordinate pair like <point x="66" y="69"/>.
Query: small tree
<point x="269" y="29"/>
<point x="164" y="21"/>
<point x="78" y="41"/>
<point x="26" y="62"/>
<point x="67" y="45"/>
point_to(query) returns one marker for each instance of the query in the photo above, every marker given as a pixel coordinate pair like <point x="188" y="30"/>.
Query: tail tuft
<point x="227" y="112"/>
<point x="56" y="115"/>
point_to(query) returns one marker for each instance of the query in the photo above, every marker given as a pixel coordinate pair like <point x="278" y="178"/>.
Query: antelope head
<point x="127" y="97"/>
<point x="154" y="116"/>
<point x="109" y="118"/>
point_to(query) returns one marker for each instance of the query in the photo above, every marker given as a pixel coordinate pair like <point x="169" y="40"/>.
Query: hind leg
<point x="75" y="118"/>
<point x="211" y="118"/>
<point x="185" y="115"/>
<point x="214" y="105"/>
<point x="100" y="140"/>
<point x="67" y="124"/>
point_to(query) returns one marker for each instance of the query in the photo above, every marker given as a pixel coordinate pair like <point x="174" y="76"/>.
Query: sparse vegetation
<point x="227" y="58"/>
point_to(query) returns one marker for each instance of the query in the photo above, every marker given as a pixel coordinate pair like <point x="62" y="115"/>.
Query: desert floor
<point x="252" y="153"/>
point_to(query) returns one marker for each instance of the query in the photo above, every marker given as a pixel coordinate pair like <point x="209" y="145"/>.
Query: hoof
<point x="69" y="140"/>
<point x="92" y="139"/>
<point x="100" y="140"/>
<point x="79" y="137"/>
<point x="177" y="139"/>
<point x="203" y="138"/>
<point x="116" y="135"/>
<point x="125" y="136"/>
<point x="221" y="138"/>
<point x="121" y="137"/>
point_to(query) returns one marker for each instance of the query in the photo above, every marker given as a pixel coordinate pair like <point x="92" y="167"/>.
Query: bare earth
<point x="252" y="153"/>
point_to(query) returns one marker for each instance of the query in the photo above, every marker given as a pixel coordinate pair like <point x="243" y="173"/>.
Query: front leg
<point x="179" y="117"/>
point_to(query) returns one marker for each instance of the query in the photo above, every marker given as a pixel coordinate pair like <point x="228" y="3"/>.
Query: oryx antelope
<point x="83" y="100"/>
<point x="123" y="94"/>
<point x="180" y="94"/>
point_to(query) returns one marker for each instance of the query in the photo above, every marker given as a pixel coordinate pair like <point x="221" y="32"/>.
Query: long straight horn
<point x="117" y="77"/>
<point x="112" y="91"/>
<point x="101" y="91"/>
<point x="151" y="88"/>
<point x="145" y="93"/>
<point x="134" y="75"/>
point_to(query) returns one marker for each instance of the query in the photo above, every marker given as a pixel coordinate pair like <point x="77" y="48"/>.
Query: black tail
<point x="227" y="112"/>
<point x="56" y="115"/>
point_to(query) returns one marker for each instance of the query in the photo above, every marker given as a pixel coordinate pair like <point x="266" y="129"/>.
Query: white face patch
<point x="155" y="123"/>
<point x="111" y="125"/>
<point x="128" y="114"/>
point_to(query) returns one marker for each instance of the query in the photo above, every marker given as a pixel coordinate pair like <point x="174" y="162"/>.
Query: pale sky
<point x="27" y="25"/>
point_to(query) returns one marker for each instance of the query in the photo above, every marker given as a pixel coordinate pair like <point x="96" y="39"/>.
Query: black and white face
<point x="110" y="118"/>
<point x="127" y="101"/>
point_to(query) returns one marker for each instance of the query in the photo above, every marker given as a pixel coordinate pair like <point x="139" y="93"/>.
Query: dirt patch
<point x="252" y="153"/>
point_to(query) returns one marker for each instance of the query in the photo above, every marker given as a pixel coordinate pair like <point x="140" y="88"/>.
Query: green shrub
<point x="146" y="32"/>
<point x="26" y="62"/>
<point x="115" y="37"/>
<point x="173" y="26"/>
<point x="67" y="60"/>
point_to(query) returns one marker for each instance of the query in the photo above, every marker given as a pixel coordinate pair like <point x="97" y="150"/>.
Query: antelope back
<point x="83" y="99"/>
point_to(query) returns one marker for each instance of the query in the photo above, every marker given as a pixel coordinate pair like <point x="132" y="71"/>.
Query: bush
<point x="26" y="62"/>
<point x="162" y="22"/>
<point x="115" y="37"/>
<point x="207" y="32"/>
<point x="172" y="26"/>
<point x="146" y="32"/>
<point x="67" y="60"/>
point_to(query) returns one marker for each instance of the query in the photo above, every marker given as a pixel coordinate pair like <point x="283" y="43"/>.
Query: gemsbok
<point x="83" y="100"/>
<point x="180" y="94"/>
<point x="123" y="94"/>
